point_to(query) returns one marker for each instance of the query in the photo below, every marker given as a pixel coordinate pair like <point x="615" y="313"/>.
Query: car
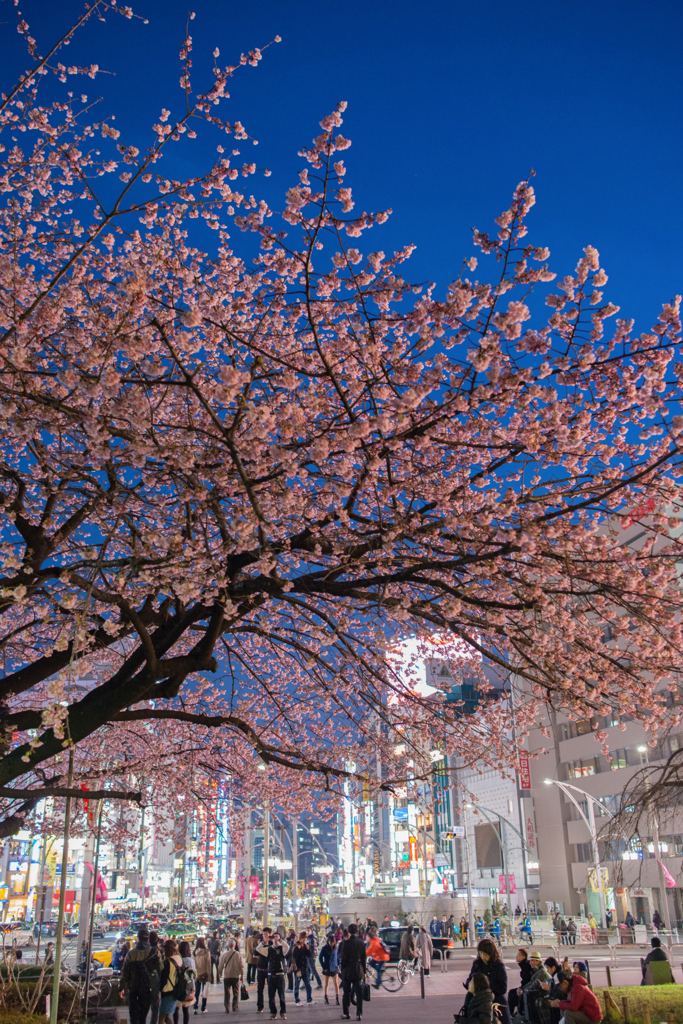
<point x="99" y="931"/>
<point x="391" y="937"/>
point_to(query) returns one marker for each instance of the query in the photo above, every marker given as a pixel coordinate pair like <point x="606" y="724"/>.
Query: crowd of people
<point x="547" y="990"/>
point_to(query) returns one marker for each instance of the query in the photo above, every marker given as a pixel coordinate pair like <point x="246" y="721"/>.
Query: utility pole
<point x="295" y="871"/>
<point x="282" y="873"/>
<point x="141" y="865"/>
<point x="246" y="911"/>
<point x="470" y="908"/>
<point x="266" y="864"/>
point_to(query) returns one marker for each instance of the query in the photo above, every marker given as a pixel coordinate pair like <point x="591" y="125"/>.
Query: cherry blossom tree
<point x="232" y="486"/>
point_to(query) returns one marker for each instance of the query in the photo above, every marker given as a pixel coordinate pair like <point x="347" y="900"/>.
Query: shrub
<point x="661" y="999"/>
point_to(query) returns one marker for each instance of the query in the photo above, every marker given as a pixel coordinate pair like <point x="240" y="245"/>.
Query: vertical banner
<point x="529" y="829"/>
<point x="524" y="771"/>
<point x="412" y="843"/>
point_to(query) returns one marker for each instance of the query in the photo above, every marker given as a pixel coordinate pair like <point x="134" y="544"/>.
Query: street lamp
<point x="590" y="822"/>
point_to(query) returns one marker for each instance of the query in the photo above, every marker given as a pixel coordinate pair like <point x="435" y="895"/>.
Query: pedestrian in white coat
<point x="426" y="947"/>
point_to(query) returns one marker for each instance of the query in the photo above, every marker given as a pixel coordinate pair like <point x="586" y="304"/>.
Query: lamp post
<point x="644" y="760"/>
<point x="590" y="822"/>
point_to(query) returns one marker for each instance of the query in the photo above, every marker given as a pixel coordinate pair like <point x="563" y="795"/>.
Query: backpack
<point x="183" y="990"/>
<point x="146" y="974"/>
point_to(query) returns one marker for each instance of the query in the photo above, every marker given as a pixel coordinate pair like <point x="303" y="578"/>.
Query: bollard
<point x="627" y="1015"/>
<point x="609" y="976"/>
<point x="47" y="1005"/>
<point x="646" y="1014"/>
<point x="422" y="982"/>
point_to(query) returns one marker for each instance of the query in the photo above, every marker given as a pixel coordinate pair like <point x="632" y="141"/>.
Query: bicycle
<point x="390" y="979"/>
<point x="407" y="968"/>
<point x="524" y="935"/>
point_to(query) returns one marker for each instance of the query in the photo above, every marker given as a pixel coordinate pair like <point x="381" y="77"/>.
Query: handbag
<point x="244" y="994"/>
<point x="366" y="993"/>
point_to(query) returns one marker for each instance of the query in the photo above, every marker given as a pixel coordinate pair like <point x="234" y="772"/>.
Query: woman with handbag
<point x="202" y="959"/>
<point x="329" y="961"/>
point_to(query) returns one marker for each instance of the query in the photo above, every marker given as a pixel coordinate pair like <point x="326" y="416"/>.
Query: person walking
<point x="488" y="962"/>
<point x="425" y="948"/>
<point x="50" y="954"/>
<point x="657" y="921"/>
<point x="312" y="941"/>
<point x="169" y="976"/>
<point x="250" y="957"/>
<point x="353" y="962"/>
<point x="571" y="931"/>
<point x="277" y="967"/>
<point x="301" y="961"/>
<point x="329" y="963"/>
<point x="291" y="942"/>
<point x="231" y="972"/>
<point x="377" y="952"/>
<point x="215" y="953"/>
<point x="185" y="954"/>
<point x="202" y="959"/>
<point x="593" y="925"/>
<point x="154" y="1011"/>
<point x="142" y="963"/>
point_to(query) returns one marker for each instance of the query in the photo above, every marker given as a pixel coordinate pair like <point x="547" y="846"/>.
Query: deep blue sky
<point x="450" y="104"/>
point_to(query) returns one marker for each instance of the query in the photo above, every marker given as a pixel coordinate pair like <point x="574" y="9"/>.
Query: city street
<point x="444" y="992"/>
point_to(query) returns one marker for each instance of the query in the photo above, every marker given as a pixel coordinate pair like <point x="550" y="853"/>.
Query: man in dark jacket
<point x="140" y="967"/>
<point x="215" y="952"/>
<point x="262" y="968"/>
<point x="353" y="972"/>
<point x="276" y="953"/>
<point x="656" y="953"/>
<point x="312" y="942"/>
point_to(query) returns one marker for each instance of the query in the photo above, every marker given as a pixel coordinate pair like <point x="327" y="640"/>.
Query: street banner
<point x="524" y="771"/>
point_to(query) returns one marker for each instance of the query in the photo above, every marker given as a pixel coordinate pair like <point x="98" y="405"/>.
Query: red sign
<point x="524" y="771"/>
<point x="502" y="887"/>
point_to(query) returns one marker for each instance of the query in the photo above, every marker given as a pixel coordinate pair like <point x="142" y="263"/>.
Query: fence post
<point x="422" y="984"/>
<point x="627" y="1014"/>
<point x="609" y="975"/>
<point x="646" y="1014"/>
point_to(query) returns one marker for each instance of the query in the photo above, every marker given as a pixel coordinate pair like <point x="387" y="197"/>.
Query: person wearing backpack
<point x="140" y="977"/>
<point x="202" y="959"/>
<point x="156" y="978"/>
<point x="190" y="975"/>
<point x="231" y="970"/>
<point x="172" y="985"/>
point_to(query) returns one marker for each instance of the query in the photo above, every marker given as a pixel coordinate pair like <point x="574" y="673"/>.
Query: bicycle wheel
<point x="99" y="992"/>
<point x="403" y="971"/>
<point x="390" y="979"/>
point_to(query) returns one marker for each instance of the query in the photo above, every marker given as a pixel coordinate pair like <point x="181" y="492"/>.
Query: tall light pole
<point x="664" y="899"/>
<point x="590" y="822"/>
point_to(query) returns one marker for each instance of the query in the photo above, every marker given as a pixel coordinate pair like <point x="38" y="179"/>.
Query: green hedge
<point x="661" y="1000"/>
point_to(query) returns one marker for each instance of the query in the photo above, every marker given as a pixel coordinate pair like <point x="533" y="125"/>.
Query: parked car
<point x="391" y="937"/>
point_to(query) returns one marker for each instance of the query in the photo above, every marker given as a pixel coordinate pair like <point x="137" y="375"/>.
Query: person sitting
<point x="535" y="1004"/>
<point x="552" y="988"/>
<point x="656" y="955"/>
<point x="479" y="1001"/>
<point x="580" y="1005"/>
<point x="525" y="971"/>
